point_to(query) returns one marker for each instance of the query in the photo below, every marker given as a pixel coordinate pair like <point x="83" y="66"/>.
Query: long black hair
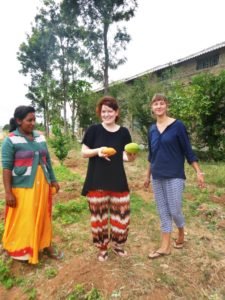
<point x="20" y="113"/>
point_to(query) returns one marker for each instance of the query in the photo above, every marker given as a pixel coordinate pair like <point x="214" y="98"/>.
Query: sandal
<point x="178" y="245"/>
<point x="120" y="252"/>
<point x="157" y="254"/>
<point x="102" y="256"/>
<point x="53" y="252"/>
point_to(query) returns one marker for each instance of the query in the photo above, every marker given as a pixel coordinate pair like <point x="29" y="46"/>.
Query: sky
<point x="162" y="31"/>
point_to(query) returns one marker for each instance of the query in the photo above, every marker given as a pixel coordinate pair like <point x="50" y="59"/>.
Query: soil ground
<point x="195" y="272"/>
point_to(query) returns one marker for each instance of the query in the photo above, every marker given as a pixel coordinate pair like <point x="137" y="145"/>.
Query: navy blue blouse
<point x="168" y="150"/>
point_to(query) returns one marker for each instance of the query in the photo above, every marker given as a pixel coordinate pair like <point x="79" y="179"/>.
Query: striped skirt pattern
<point x="113" y="207"/>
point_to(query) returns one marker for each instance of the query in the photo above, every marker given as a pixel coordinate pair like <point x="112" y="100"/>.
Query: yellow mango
<point x="109" y="151"/>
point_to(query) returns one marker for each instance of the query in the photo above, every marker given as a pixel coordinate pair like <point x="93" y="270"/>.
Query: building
<point x="211" y="60"/>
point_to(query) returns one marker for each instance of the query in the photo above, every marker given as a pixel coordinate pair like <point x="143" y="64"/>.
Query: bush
<point x="60" y="143"/>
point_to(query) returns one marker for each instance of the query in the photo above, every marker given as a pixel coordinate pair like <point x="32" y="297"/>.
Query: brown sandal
<point x="120" y="252"/>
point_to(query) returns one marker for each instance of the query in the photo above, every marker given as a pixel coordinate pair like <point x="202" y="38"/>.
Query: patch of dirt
<point x="12" y="294"/>
<point x="78" y="270"/>
<point x="218" y="199"/>
<point x="194" y="272"/>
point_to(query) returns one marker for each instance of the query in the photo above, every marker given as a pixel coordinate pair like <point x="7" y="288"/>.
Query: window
<point x="207" y="61"/>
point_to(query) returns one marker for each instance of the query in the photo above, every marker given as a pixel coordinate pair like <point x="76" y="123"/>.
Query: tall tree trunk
<point x="64" y="92"/>
<point x="106" y="66"/>
<point x="64" y="99"/>
<point x="46" y="119"/>
<point x="73" y="119"/>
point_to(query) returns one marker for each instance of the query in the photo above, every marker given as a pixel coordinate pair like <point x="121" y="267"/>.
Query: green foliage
<point x="79" y="293"/>
<point x="134" y="101"/>
<point x="5" y="127"/>
<point x="181" y="104"/>
<point x="6" y="279"/>
<point x="39" y="126"/>
<point x="60" y="143"/>
<point x="50" y="272"/>
<point x="86" y="109"/>
<point x="70" y="212"/>
<point x="1" y="229"/>
<point x="119" y="91"/>
<point x="94" y="294"/>
<point x="209" y="105"/>
<point x="78" y="96"/>
<point x="31" y="293"/>
<point x="64" y="174"/>
<point x="98" y="18"/>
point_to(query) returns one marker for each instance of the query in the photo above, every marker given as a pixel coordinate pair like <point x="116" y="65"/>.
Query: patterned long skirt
<point x="28" y="226"/>
<point x="109" y="207"/>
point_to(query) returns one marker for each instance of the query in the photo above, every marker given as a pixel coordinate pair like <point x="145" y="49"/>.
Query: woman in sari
<point x="29" y="182"/>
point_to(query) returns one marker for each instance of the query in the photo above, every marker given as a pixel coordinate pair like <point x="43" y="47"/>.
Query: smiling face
<point x="27" y="124"/>
<point x="108" y="115"/>
<point x="159" y="108"/>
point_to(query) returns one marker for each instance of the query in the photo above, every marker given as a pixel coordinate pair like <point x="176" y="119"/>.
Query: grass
<point x="62" y="173"/>
<point x="70" y="212"/>
<point x="6" y="278"/>
<point x="79" y="293"/>
<point x="138" y="206"/>
<point x="51" y="272"/>
<point x="195" y="272"/>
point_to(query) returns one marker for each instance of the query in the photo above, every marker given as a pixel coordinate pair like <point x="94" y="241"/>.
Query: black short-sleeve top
<point x="101" y="173"/>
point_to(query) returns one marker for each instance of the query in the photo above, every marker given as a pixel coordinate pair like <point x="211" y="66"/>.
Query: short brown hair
<point x="158" y="97"/>
<point x="108" y="101"/>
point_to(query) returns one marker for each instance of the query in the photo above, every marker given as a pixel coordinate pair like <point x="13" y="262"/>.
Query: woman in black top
<point x="106" y="184"/>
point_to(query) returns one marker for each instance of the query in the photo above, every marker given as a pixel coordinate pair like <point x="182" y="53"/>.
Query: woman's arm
<point x="200" y="174"/>
<point x="7" y="165"/>
<point x="7" y="182"/>
<point x="88" y="153"/>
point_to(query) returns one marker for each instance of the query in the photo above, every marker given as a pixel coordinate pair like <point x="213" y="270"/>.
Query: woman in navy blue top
<point x="169" y="145"/>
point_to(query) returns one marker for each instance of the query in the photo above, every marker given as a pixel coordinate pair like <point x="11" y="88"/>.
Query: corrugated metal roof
<point x="157" y="68"/>
<point x="160" y="67"/>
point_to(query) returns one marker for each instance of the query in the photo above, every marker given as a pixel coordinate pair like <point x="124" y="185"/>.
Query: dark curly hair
<point x="20" y="113"/>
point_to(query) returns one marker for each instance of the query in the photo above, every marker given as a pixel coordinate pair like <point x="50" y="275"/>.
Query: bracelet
<point x="200" y="173"/>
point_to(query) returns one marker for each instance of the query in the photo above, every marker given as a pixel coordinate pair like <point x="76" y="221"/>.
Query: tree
<point x="102" y="40"/>
<point x="139" y="95"/>
<point x="209" y="107"/>
<point x="36" y="56"/>
<point x="60" y="143"/>
<point x="78" y="92"/>
<point x="181" y="98"/>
